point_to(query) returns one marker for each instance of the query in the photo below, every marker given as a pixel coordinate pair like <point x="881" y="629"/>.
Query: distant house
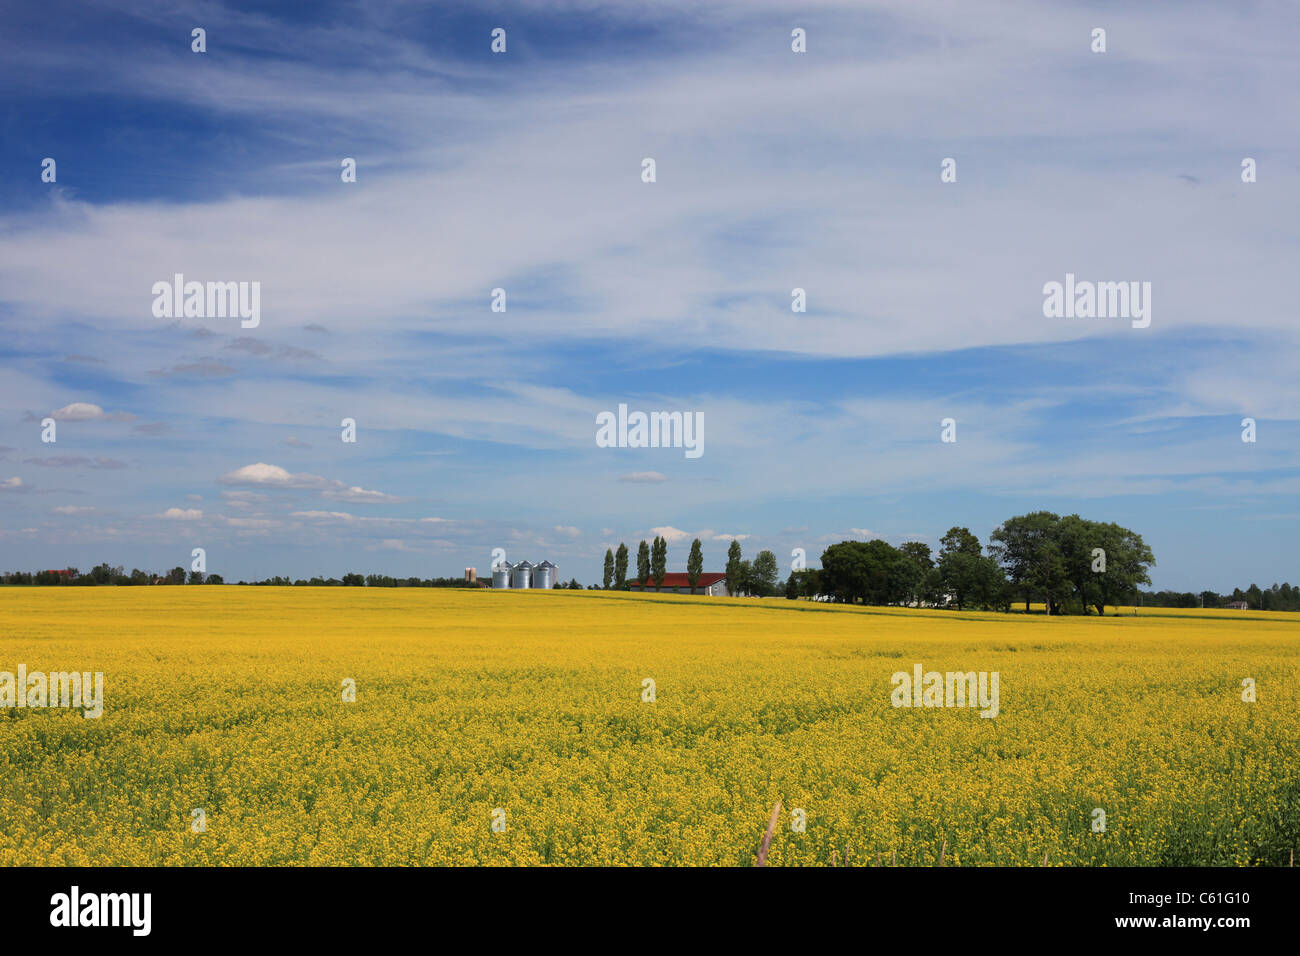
<point x="1237" y="606"/>
<point x="711" y="584"/>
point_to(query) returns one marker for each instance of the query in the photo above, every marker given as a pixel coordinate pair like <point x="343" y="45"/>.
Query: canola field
<point x="526" y="709"/>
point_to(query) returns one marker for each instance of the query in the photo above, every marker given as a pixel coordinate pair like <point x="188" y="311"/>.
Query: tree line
<point x="107" y="574"/>
<point x="1277" y="598"/>
<point x="757" y="578"/>
<point x="1070" y="564"/>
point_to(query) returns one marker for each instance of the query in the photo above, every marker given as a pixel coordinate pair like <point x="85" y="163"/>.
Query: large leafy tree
<point x="1127" y="559"/>
<point x="642" y="563"/>
<point x="1058" y="558"/>
<point x="695" y="565"/>
<point x="959" y="565"/>
<point x="1026" y="547"/>
<point x="620" y="567"/>
<point x="865" y="571"/>
<point x="913" y="564"/>
<point x="763" y="581"/>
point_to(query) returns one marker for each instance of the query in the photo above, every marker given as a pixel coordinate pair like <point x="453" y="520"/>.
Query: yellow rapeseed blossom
<point x="526" y="709"/>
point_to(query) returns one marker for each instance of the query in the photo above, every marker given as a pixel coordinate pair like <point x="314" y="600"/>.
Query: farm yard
<point x="637" y="729"/>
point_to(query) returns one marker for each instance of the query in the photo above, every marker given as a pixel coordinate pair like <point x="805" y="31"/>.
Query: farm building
<point x="524" y="575"/>
<point x="711" y="584"/>
<point x="1237" y="606"/>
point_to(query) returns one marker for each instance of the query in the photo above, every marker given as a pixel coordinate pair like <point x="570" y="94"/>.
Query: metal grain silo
<point x="544" y="575"/>
<point x="521" y="575"/>
<point x="501" y="575"/>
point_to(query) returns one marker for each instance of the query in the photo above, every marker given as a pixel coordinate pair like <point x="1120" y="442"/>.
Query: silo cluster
<point x="524" y="575"/>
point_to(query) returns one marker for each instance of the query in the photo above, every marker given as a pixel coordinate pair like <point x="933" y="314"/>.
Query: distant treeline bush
<point x="107" y="574"/>
<point x="1277" y="598"/>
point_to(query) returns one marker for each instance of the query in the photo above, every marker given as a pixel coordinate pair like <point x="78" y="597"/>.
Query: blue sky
<point x="775" y="170"/>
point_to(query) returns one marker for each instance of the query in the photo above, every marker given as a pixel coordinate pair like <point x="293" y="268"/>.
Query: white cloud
<point x="358" y="494"/>
<point x="86" y="412"/>
<point x="74" y="510"/>
<point x="182" y="514"/>
<point x="670" y="534"/>
<point x="567" y="530"/>
<point x="11" y="484"/>
<point x="276" y="477"/>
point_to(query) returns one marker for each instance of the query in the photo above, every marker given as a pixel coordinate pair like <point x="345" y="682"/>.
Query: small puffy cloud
<point x="671" y="535"/>
<point x="729" y="537"/>
<point x="182" y="514"/>
<point x="356" y="493"/>
<point x="274" y="476"/>
<point x="567" y="530"/>
<point x="643" y="477"/>
<point x="77" y="412"/>
<point x="264" y="474"/>
<point x="863" y="532"/>
<point x="11" y="484"/>
<point x="324" y="515"/>
<point x="252" y="522"/>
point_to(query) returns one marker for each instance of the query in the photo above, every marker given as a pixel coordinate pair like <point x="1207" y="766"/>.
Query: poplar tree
<point x="620" y="567"/>
<point x="642" y="563"/>
<point x="659" y="560"/>
<point x="695" y="565"/>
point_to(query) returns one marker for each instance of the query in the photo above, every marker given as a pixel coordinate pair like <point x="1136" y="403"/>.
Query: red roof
<point x="680" y="579"/>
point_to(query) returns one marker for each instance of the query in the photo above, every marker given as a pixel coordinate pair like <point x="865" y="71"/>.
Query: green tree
<point x="620" y="567"/>
<point x="1028" y="549"/>
<point x="865" y="571"/>
<point x="695" y="564"/>
<point x="745" y="578"/>
<point x="609" y="568"/>
<point x="642" y="563"/>
<point x="913" y="565"/>
<point x="659" y="560"/>
<point x="959" y="564"/>
<point x="764" y="573"/>
<point x="1127" y="559"/>
<point x="176" y="576"/>
<point x="734" y="584"/>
